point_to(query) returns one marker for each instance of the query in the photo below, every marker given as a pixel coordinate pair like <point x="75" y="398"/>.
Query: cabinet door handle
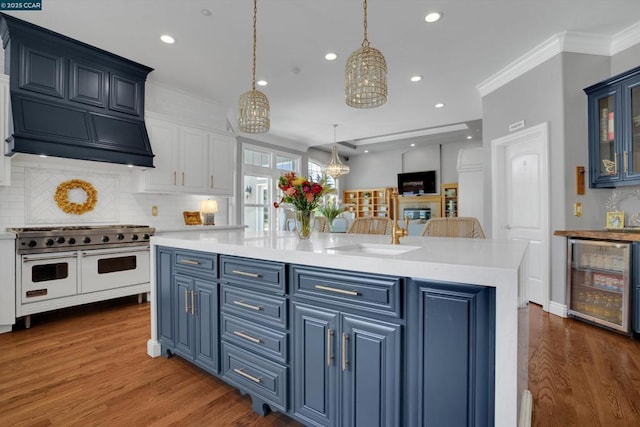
<point x="615" y="163"/>
<point x="174" y="177"/>
<point x="193" y="302"/>
<point x="248" y="376"/>
<point x="244" y="304"/>
<point x="340" y="291"/>
<point x="190" y="262"/>
<point x="625" y="161"/>
<point x="247" y="337"/>
<point x="329" y="349"/>
<point x="345" y="362"/>
<point x="183" y="179"/>
<point x="212" y="181"/>
<point x="186" y="301"/>
<point x="245" y="273"/>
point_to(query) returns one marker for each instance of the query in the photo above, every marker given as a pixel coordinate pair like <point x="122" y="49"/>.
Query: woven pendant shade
<point x="253" y="105"/>
<point x="365" y="75"/>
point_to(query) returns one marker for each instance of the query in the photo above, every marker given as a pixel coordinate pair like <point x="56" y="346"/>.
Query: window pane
<point x="315" y="173"/>
<point x="256" y="218"/>
<point x="256" y="158"/>
<point x="286" y="163"/>
<point x="256" y="190"/>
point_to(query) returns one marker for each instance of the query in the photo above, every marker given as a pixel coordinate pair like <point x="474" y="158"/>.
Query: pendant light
<point x="254" y="105"/>
<point x="335" y="168"/>
<point x="365" y="75"/>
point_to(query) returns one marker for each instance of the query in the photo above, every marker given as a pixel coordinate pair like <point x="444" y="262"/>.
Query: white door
<point x="520" y="194"/>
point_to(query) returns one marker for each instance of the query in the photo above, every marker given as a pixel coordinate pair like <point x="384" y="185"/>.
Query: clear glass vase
<point x="305" y="221"/>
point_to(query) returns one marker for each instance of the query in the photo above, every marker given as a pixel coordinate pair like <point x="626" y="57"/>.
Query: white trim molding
<point x="558" y="309"/>
<point x="568" y="41"/>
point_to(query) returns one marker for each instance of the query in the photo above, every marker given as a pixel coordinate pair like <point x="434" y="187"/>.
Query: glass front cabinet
<point x="614" y="131"/>
<point x="598" y="282"/>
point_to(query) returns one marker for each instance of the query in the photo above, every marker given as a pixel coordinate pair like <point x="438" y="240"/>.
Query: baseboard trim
<point x="558" y="309"/>
<point x="153" y="348"/>
<point x="526" y="409"/>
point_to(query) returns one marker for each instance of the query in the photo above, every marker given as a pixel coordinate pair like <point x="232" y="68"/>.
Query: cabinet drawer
<point x="198" y="262"/>
<point x="356" y="290"/>
<point x="263" y="340"/>
<point x="271" y="310"/>
<point x="258" y="376"/>
<point x="259" y="275"/>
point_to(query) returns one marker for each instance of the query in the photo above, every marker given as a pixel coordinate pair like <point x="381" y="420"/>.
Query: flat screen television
<point x="416" y="183"/>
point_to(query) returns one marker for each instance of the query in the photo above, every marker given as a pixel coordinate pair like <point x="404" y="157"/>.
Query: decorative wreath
<point x="62" y="197"/>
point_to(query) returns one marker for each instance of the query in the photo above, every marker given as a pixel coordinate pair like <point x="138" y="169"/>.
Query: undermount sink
<point x="373" y="248"/>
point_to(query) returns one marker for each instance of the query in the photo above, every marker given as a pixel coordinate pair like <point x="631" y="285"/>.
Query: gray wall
<point x="625" y="60"/>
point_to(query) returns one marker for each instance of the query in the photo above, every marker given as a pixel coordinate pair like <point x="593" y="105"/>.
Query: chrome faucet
<point x="396" y="231"/>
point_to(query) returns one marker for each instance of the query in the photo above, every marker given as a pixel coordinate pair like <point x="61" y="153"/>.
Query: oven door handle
<point x="97" y="252"/>
<point x="66" y="256"/>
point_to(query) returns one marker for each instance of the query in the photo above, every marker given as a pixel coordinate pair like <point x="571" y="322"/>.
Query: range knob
<point x="32" y="243"/>
<point x="134" y="237"/>
<point x="49" y="242"/>
<point x="145" y="237"/>
<point x="105" y="239"/>
<point x="60" y="240"/>
<point x="87" y="239"/>
<point x="72" y="241"/>
<point x="120" y="236"/>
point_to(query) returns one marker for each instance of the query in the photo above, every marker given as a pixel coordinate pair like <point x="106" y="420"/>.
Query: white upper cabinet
<point x="222" y="163"/>
<point x="5" y="163"/>
<point x="188" y="159"/>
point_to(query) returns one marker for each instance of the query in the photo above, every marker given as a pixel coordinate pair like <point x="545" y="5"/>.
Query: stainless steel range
<point x="64" y="266"/>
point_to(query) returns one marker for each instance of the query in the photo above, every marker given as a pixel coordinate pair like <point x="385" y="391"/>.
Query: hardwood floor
<point x="88" y="366"/>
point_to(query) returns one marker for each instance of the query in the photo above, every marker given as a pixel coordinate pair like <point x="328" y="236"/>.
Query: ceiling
<point x="211" y="57"/>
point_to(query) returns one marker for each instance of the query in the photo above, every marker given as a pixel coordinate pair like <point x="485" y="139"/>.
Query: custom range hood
<point x="73" y="100"/>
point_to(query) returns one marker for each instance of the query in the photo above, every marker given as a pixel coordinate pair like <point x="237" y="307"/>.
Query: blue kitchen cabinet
<point x="450" y="378"/>
<point x="188" y="318"/>
<point x="347" y="363"/>
<point x="635" y="287"/>
<point x="614" y="130"/>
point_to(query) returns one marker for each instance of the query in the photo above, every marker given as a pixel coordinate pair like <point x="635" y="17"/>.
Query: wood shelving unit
<point x="371" y="202"/>
<point x="449" y="199"/>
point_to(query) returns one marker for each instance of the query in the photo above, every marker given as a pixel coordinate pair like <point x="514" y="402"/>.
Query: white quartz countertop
<point x="474" y="261"/>
<point x="197" y="228"/>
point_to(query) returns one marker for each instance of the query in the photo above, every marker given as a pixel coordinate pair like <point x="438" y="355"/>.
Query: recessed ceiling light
<point x="413" y="145"/>
<point x="469" y="137"/>
<point x="167" y="39"/>
<point x="330" y="56"/>
<point x="439" y="105"/>
<point x="205" y="12"/>
<point x="366" y="151"/>
<point x="416" y="78"/>
<point x="433" y="17"/>
<point x="262" y="83"/>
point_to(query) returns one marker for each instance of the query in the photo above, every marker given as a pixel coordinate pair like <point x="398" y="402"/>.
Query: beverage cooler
<point x="598" y="278"/>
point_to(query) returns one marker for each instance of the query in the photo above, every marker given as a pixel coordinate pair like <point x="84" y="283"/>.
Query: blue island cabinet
<point x="188" y="318"/>
<point x="347" y="366"/>
<point x="450" y="354"/>
<point x="635" y="287"/>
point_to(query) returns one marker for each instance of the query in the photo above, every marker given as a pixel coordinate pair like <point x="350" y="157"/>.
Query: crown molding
<point x="568" y="41"/>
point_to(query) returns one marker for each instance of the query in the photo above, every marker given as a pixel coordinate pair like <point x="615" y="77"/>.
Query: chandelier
<point x="335" y="168"/>
<point x="365" y="75"/>
<point x="254" y="105"/>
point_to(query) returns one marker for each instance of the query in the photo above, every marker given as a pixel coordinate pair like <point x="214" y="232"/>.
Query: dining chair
<point x="374" y="225"/>
<point x="453" y="227"/>
<point x="322" y="224"/>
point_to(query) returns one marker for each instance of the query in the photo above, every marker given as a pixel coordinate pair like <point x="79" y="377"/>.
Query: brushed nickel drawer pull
<point x="329" y="351"/>
<point x="345" y="362"/>
<point x="186" y="301"/>
<point x="183" y="179"/>
<point x="248" y="376"/>
<point x="244" y="304"/>
<point x="340" y="291"/>
<point x="211" y="181"/>
<point x="193" y="302"/>
<point x="190" y="262"/>
<point x="245" y="273"/>
<point x="247" y="337"/>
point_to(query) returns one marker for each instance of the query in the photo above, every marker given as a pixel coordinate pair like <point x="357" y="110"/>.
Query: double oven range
<point x="59" y="267"/>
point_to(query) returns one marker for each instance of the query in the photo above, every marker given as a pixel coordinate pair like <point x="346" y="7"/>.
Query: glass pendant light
<point x="365" y="75"/>
<point x="335" y="168"/>
<point x="254" y="105"/>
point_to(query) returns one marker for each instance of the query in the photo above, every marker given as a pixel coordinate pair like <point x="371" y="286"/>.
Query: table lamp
<point x="208" y="208"/>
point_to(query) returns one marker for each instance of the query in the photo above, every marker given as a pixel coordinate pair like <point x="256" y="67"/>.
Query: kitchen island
<point x="400" y="285"/>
